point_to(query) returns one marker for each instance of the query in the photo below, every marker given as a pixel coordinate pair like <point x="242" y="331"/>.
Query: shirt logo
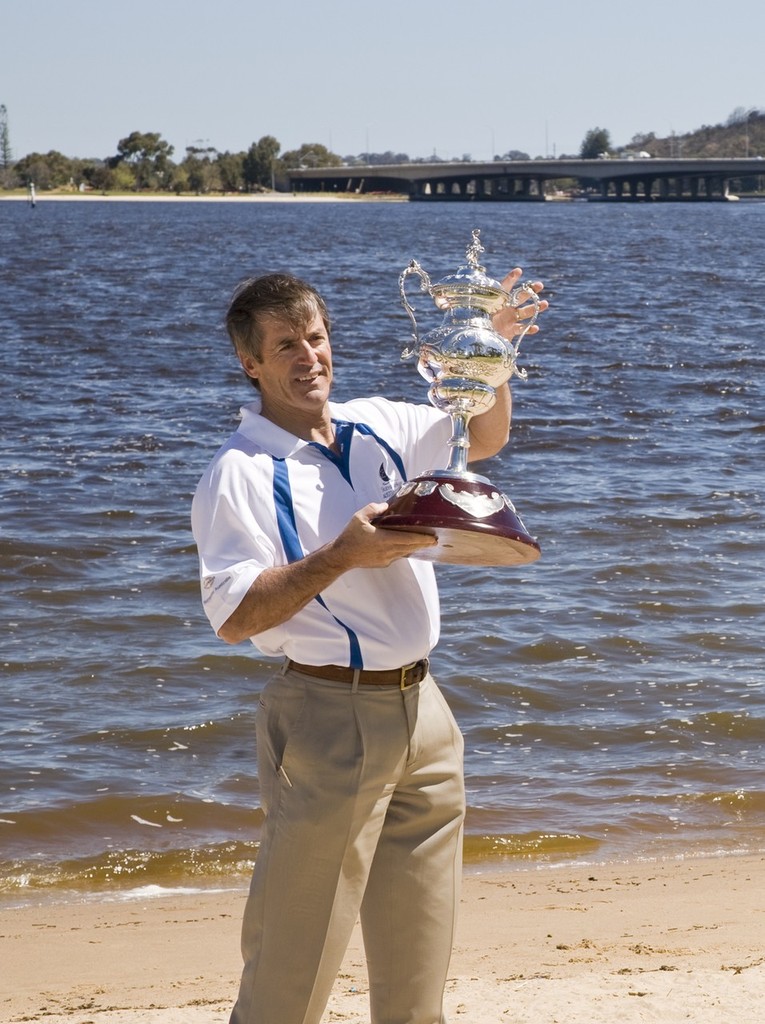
<point x="387" y="486"/>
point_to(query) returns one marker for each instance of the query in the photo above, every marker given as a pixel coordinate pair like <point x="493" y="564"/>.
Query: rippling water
<point x="611" y="694"/>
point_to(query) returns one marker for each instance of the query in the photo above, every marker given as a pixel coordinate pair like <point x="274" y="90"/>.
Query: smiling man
<point x="359" y="757"/>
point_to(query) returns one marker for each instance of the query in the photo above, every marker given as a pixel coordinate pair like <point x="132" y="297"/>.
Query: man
<point x="359" y="757"/>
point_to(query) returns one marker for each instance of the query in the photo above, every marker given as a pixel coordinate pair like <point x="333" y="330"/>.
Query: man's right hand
<point x="362" y="545"/>
<point x="281" y="591"/>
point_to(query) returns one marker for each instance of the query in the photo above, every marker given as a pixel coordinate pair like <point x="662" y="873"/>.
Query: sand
<point x="670" y="941"/>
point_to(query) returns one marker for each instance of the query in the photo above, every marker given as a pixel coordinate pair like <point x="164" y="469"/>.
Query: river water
<point x="611" y="694"/>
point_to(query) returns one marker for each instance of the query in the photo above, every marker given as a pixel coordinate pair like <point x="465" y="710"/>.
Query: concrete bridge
<point x="537" y="180"/>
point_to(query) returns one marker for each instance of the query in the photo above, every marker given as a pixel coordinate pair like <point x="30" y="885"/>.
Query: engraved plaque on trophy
<point x="464" y="360"/>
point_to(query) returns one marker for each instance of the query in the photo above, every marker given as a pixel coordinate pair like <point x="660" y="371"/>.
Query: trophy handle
<point x="520" y="294"/>
<point x="413" y="268"/>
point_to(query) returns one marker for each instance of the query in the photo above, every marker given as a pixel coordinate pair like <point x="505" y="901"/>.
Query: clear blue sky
<point x="475" y="77"/>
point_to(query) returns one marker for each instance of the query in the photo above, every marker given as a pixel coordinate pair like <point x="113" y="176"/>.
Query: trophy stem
<point x="459" y="442"/>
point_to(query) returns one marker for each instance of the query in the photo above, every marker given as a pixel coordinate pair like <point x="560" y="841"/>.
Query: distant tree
<point x="103" y="176"/>
<point x="388" y="157"/>
<point x="121" y="178"/>
<point x="199" y="171"/>
<point x="8" y="177"/>
<point x="641" y="141"/>
<point x="311" y="154"/>
<point x="83" y="171"/>
<point x="740" y="116"/>
<point x="596" y="142"/>
<point x="46" y="170"/>
<point x="231" y="171"/>
<point x="6" y="154"/>
<point x="513" y="154"/>
<point x="148" y="154"/>
<point x="259" y="162"/>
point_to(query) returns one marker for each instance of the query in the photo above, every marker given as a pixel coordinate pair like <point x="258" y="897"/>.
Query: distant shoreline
<point x="249" y="197"/>
<point x="310" y="197"/>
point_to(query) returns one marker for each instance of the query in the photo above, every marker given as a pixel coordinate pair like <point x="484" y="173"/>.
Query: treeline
<point x="742" y="135"/>
<point x="144" y="160"/>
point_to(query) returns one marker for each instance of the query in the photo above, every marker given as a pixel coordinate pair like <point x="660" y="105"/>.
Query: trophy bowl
<point x="464" y="360"/>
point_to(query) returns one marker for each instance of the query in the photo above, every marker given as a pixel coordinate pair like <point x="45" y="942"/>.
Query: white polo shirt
<point x="269" y="498"/>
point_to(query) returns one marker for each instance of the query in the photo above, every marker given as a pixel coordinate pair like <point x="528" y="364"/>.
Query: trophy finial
<point x="475" y="249"/>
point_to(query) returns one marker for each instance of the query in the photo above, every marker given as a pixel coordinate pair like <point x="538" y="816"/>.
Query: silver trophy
<point x="464" y="360"/>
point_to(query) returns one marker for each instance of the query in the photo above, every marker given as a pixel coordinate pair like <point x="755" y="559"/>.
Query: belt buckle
<point x="408" y="668"/>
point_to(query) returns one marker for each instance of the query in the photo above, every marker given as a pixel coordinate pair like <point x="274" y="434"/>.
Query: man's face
<point x="294" y="369"/>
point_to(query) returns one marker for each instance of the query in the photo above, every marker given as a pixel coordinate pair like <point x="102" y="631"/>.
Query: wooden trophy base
<point x="474" y="522"/>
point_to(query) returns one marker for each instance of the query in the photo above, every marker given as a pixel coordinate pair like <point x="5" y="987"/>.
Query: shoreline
<point x="253" y="197"/>
<point x="306" y="197"/>
<point x="672" y="941"/>
<point x="22" y="890"/>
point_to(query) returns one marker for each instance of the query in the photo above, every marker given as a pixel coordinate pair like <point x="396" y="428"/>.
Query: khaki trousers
<point x="364" y="799"/>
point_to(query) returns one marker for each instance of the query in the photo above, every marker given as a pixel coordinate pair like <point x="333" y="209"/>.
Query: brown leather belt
<point x="408" y="675"/>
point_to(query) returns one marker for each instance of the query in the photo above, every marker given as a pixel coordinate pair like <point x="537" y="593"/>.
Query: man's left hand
<point x="509" y="321"/>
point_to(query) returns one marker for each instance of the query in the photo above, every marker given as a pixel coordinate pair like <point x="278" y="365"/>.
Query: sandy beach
<point x="663" y="941"/>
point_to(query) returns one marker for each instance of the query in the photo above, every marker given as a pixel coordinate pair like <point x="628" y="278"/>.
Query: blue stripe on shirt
<point x="397" y="460"/>
<point x="285" y="519"/>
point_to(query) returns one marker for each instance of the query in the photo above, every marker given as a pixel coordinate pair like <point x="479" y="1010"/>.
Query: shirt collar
<point x="274" y="440"/>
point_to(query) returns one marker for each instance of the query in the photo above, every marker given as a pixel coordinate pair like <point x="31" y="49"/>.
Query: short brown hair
<point x="281" y="296"/>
